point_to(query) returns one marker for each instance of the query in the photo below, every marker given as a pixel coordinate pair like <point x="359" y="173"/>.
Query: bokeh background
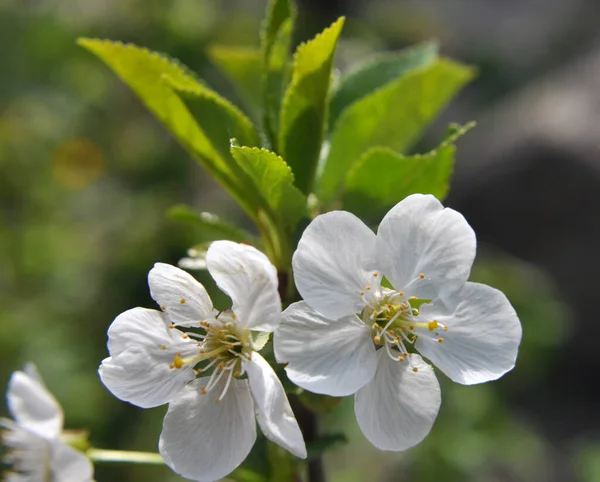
<point x="87" y="174"/>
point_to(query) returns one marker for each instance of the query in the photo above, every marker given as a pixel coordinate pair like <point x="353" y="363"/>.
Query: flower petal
<point x="141" y="368"/>
<point x="272" y="407"/>
<point x="333" y="357"/>
<point x="185" y="300"/>
<point x="420" y="236"/>
<point x="203" y="439"/>
<point x="25" y="451"/>
<point x="334" y="262"/>
<point x="250" y="280"/>
<point x="33" y="406"/>
<point x="396" y="410"/>
<point x="69" y="464"/>
<point x="482" y="340"/>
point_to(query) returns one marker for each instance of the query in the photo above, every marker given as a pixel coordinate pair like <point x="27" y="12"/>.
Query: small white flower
<point x="35" y="451"/>
<point x="210" y="426"/>
<point x="356" y="333"/>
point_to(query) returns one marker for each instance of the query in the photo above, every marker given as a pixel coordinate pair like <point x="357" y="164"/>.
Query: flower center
<point x="222" y="347"/>
<point x="396" y="321"/>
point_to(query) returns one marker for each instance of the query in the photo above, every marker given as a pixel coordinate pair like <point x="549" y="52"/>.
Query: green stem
<point x="124" y="456"/>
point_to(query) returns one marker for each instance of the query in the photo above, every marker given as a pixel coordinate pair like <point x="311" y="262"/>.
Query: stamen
<point x="229" y="377"/>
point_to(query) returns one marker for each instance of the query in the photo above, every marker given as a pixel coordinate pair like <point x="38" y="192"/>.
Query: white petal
<point x="143" y="348"/>
<point x="334" y="262"/>
<point x="418" y="236"/>
<point x="33" y="406"/>
<point x="396" y="410"/>
<point x="26" y="453"/>
<point x="482" y="340"/>
<point x="272" y="407"/>
<point x="70" y="465"/>
<point x="250" y="280"/>
<point x="325" y="356"/>
<point x="203" y="439"/>
<point x="186" y="301"/>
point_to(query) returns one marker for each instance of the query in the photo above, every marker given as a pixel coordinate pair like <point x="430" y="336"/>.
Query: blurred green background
<point x="87" y="174"/>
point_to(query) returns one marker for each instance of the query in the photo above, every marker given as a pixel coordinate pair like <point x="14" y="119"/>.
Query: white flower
<point x="35" y="451"/>
<point x="371" y="300"/>
<point x="210" y="426"/>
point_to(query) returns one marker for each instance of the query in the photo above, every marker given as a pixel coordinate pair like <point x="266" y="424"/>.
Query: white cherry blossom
<point x="215" y="381"/>
<point x="35" y="451"/>
<point x="371" y="301"/>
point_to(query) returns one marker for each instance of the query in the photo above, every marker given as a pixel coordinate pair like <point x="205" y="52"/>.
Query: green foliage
<point x="393" y="116"/>
<point x="152" y="77"/>
<point x="377" y="72"/>
<point x="324" y="443"/>
<point x="242" y="65"/>
<point x="304" y="110"/>
<point x="276" y="42"/>
<point x="211" y="226"/>
<point x="217" y="117"/>
<point x="382" y="177"/>
<point x="275" y="180"/>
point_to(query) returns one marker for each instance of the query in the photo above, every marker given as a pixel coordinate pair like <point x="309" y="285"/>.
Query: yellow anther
<point x="377" y="340"/>
<point x="368" y="288"/>
<point x="233" y="317"/>
<point x="401" y="293"/>
<point x="415" y="369"/>
<point x="445" y="328"/>
<point x="412" y="328"/>
<point x="362" y="293"/>
<point x="177" y="361"/>
<point x="171" y="366"/>
<point x="440" y="340"/>
<point x="163" y="347"/>
<point x="182" y="301"/>
<point x="432" y="325"/>
<point x="376" y="274"/>
<point x="163" y="307"/>
<point x="421" y="276"/>
<point x="185" y="336"/>
<point x="400" y="358"/>
<point x="396" y="341"/>
<point x="414" y="298"/>
<point x="404" y="330"/>
<point x="404" y="354"/>
<point x="198" y="371"/>
<point x="172" y="325"/>
<point x="221" y="366"/>
<point x="203" y="391"/>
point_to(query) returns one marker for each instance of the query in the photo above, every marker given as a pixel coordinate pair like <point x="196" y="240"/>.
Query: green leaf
<point x="324" y="443"/>
<point x="147" y="73"/>
<point x="394" y="116"/>
<point x="211" y="226"/>
<point x="275" y="180"/>
<point x="276" y="42"/>
<point x="304" y="109"/>
<point x="241" y="474"/>
<point x="242" y="65"/>
<point x="377" y="72"/>
<point x="382" y="178"/>
<point x="283" y="465"/>
<point x="217" y="117"/>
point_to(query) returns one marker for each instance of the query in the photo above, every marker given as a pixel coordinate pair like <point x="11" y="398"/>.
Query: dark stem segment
<point x="310" y="430"/>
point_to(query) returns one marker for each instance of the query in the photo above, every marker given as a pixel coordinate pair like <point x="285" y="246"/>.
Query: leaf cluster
<point x="300" y="145"/>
